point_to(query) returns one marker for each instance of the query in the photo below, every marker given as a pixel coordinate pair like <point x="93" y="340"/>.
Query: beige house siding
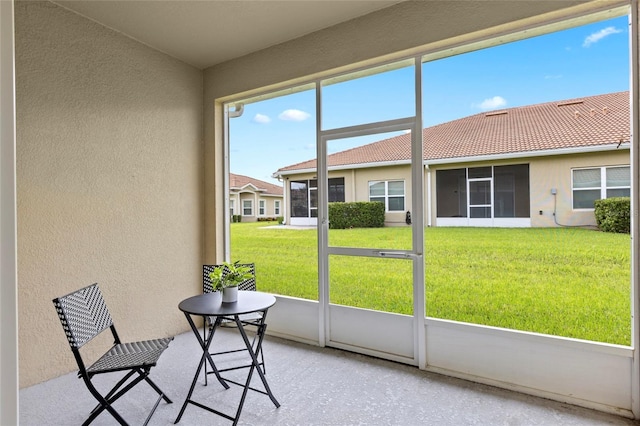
<point x="109" y="188"/>
<point x="555" y="172"/>
<point x="255" y="192"/>
<point x="255" y="198"/>
<point x="403" y="173"/>
<point x="545" y="173"/>
<point x="356" y="186"/>
<point x="270" y="206"/>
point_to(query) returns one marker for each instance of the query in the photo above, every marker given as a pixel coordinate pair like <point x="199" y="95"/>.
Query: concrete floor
<point x="315" y="386"/>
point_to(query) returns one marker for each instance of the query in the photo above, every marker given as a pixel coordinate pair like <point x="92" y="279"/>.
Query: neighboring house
<point x="530" y="166"/>
<point x="254" y="199"/>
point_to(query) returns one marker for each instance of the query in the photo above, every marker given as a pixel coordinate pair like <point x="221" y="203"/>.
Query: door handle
<point x="397" y="255"/>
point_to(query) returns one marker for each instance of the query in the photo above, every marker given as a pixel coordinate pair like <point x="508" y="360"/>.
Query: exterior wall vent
<point x="491" y="114"/>
<point x="570" y="103"/>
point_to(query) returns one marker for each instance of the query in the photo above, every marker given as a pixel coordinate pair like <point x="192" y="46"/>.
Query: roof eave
<point x="476" y="158"/>
<point x="345" y="167"/>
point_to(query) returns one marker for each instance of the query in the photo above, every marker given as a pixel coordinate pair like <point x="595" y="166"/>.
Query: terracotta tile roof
<point x="574" y="123"/>
<point x="237" y="182"/>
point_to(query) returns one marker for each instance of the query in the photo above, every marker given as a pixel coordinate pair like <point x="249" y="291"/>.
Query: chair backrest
<point x="83" y="315"/>
<point x="247" y="285"/>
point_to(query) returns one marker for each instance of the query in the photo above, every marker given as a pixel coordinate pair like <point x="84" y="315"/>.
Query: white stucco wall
<point x="109" y="160"/>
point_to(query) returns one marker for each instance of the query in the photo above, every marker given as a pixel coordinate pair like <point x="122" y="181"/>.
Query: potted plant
<point x="227" y="277"/>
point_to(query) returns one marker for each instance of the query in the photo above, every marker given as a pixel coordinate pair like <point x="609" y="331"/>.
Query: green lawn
<point x="562" y="281"/>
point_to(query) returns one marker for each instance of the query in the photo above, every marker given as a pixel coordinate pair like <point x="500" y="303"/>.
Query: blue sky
<point x="582" y="61"/>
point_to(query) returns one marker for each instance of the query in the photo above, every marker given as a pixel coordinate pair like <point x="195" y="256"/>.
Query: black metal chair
<point x="84" y="315"/>
<point x="249" y="319"/>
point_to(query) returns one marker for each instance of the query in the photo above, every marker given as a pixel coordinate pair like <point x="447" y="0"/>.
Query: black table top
<point x="211" y="304"/>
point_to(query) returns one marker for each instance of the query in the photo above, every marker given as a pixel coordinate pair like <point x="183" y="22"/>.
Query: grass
<point x="561" y="281"/>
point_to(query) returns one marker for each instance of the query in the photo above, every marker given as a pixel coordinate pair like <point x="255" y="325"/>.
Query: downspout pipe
<point x="427" y="171"/>
<point x="237" y="111"/>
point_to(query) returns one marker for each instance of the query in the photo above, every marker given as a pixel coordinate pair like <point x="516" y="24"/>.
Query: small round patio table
<point x="211" y="305"/>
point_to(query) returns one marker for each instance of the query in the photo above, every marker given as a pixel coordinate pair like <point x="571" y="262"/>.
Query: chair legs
<point x="105" y="402"/>
<point x="253" y="344"/>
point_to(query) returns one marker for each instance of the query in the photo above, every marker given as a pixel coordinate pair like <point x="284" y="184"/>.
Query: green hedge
<point x="278" y="219"/>
<point x="362" y="214"/>
<point x="614" y="214"/>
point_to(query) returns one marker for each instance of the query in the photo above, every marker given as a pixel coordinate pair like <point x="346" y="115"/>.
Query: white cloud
<point x="293" y="115"/>
<point x="552" y="76"/>
<point x="492" y="103"/>
<point x="597" y="36"/>
<point x="261" y="118"/>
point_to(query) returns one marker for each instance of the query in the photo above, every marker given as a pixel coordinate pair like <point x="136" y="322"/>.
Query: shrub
<point x="362" y="214"/>
<point x="280" y="220"/>
<point x="614" y="214"/>
<point x="267" y="219"/>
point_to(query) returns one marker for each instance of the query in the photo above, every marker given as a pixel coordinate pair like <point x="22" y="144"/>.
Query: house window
<point x="232" y="207"/>
<point x="598" y="183"/>
<point x="261" y="207"/>
<point x="276" y="207"/>
<point x="247" y="207"/>
<point x="391" y="193"/>
<point x="304" y="196"/>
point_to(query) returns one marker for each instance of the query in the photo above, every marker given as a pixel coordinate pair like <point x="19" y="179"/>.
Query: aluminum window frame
<point x="602" y="188"/>
<point x="387" y="196"/>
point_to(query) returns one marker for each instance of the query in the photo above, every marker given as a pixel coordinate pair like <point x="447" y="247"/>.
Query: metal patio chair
<point x="249" y="319"/>
<point x="84" y="315"/>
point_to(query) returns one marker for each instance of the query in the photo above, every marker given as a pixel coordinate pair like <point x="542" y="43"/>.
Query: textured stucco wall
<point x="555" y="172"/>
<point x="109" y="166"/>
